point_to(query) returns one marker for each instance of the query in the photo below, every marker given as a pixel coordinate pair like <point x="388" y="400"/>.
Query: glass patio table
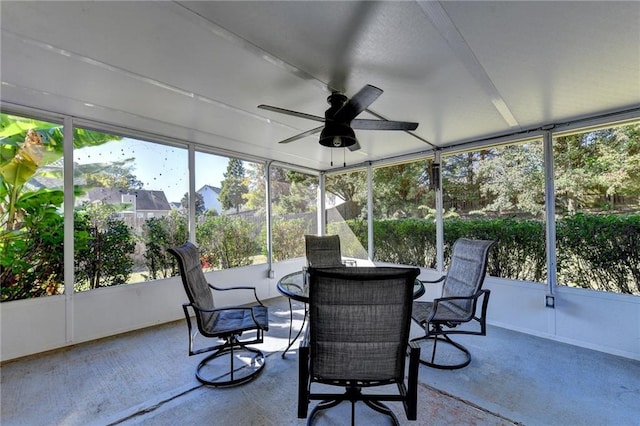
<point x="294" y="286"/>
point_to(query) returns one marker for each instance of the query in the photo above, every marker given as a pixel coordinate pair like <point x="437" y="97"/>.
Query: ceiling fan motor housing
<point x="336" y="134"/>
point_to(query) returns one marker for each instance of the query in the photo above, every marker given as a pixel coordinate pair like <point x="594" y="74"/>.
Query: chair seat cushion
<point x="233" y="321"/>
<point x="447" y="312"/>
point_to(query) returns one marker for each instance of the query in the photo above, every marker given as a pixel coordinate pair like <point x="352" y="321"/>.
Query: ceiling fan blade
<point x="303" y="135"/>
<point x="358" y="103"/>
<point x="293" y="113"/>
<point x="365" y="124"/>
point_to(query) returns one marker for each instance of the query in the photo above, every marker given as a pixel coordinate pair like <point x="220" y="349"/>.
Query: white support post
<point x="437" y="161"/>
<point x="550" y="208"/>
<point x="370" y="245"/>
<point x="267" y="178"/>
<point x="68" y="207"/>
<point x="192" y="193"/>
<point x="322" y="214"/>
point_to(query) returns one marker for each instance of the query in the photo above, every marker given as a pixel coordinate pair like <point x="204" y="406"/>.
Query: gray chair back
<point x="194" y="282"/>
<point x="323" y="251"/>
<point x="359" y="323"/>
<point x="465" y="276"/>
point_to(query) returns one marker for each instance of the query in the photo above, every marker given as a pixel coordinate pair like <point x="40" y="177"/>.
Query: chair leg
<point x="352" y="394"/>
<point x="411" y="391"/>
<point x="323" y="405"/>
<point x="382" y="408"/>
<point x="303" y="381"/>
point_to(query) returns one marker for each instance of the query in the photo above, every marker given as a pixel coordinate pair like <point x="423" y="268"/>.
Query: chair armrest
<point x="446" y="299"/>
<point x="433" y="281"/>
<point x="255" y="293"/>
<point x="473" y="298"/>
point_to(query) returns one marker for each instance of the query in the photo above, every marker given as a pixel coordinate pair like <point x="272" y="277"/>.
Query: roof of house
<point x="145" y="199"/>
<point x="213" y="188"/>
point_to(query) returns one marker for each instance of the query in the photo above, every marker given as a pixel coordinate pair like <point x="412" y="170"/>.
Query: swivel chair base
<point x="353" y="394"/>
<point x="230" y="366"/>
<point x="457" y="348"/>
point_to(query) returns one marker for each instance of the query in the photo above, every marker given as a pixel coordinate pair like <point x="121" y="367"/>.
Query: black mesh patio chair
<point x="232" y="362"/>
<point x="358" y="335"/>
<point x="461" y="291"/>
<point x="323" y="251"/>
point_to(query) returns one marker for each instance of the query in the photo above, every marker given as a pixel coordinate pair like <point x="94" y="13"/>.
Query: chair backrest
<point x="359" y="320"/>
<point x="323" y="251"/>
<point x="466" y="273"/>
<point x="194" y="282"/>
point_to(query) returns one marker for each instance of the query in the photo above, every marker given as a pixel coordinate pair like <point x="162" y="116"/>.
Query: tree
<point x="200" y="207"/>
<point x="401" y="190"/>
<point x="255" y="197"/>
<point x="460" y="180"/>
<point x="160" y="233"/>
<point x="294" y="192"/>
<point x="512" y="181"/>
<point x="116" y="175"/>
<point x="233" y="186"/>
<point x="348" y="186"/>
<point x="104" y="247"/>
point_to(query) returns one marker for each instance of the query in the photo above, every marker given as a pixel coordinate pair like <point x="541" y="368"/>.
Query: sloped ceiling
<point x="197" y="70"/>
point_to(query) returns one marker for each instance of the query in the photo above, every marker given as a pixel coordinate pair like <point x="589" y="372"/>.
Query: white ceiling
<point x="197" y="70"/>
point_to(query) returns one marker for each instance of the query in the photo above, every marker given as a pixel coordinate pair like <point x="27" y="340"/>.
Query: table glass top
<point x="294" y="285"/>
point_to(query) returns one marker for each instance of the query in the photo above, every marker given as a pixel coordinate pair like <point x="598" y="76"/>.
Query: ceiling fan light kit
<point x="337" y="136"/>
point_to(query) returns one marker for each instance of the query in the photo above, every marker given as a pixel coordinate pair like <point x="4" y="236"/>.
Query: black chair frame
<point x="354" y="389"/>
<point x="439" y="324"/>
<point x="231" y="346"/>
<point x="439" y="331"/>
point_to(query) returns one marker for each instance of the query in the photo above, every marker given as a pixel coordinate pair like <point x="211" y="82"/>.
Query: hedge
<point x="600" y="252"/>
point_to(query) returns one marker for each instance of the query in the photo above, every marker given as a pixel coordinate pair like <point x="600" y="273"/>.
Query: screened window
<point x="230" y="211"/>
<point x="404" y="228"/>
<point x="597" y="180"/>
<point x="346" y="204"/>
<point x="497" y="193"/>
<point x="127" y="191"/>
<point x="294" y="211"/>
<point x="31" y="208"/>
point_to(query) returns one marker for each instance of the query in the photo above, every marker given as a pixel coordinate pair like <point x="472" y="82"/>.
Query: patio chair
<point x="324" y="251"/>
<point x="461" y="291"/>
<point x="232" y="362"/>
<point x="358" y="334"/>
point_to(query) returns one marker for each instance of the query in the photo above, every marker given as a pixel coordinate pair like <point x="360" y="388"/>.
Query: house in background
<point x="210" y="196"/>
<point x="139" y="204"/>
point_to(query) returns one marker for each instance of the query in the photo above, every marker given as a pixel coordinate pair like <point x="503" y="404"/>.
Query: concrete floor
<point x="146" y="377"/>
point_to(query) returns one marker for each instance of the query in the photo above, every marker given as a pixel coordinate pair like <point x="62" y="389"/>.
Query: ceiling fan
<point x="340" y="119"/>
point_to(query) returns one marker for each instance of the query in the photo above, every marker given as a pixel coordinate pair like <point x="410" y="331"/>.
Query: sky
<point x="159" y="167"/>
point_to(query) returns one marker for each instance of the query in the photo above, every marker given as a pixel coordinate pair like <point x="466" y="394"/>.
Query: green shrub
<point x="230" y="242"/>
<point x="160" y="233"/>
<point x="286" y="238"/>
<point x="600" y="252"/>
<point x="104" y="247"/>
<point x="31" y="254"/>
